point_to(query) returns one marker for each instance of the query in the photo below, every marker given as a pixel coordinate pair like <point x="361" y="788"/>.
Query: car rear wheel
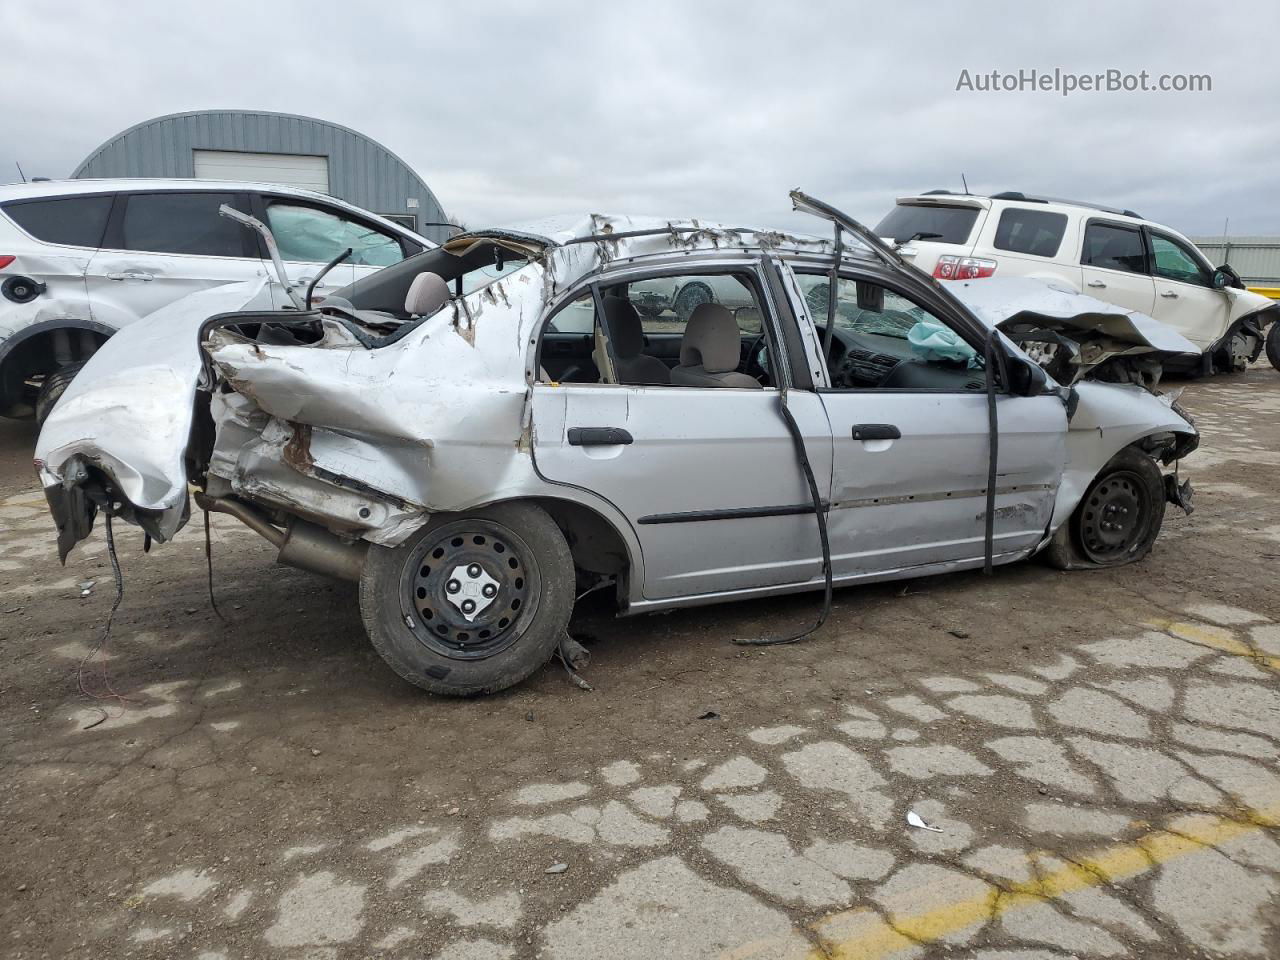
<point x="471" y="603"/>
<point x="52" y="388"/>
<point x="1118" y="519"/>
<point x="1273" y="344"/>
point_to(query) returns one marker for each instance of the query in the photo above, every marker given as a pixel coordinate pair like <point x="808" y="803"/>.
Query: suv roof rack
<point x="1029" y="198"/>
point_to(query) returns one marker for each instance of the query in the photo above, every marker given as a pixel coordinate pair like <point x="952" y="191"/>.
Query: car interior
<point x="707" y="331"/>
<point x="694" y="330"/>
<point x="883" y="341"/>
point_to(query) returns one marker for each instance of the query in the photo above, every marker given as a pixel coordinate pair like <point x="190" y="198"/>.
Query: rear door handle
<point x="876" y="431"/>
<point x="598" y="436"/>
<point x="1169" y="295"/>
<point x="1098" y="284"/>
<point x="131" y="275"/>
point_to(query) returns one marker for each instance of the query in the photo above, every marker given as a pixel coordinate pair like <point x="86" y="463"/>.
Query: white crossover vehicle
<point x="439" y="434"/>
<point x="1113" y="255"/>
<point x="81" y="259"/>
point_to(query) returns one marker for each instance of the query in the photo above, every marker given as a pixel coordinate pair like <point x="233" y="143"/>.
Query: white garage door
<point x="294" y="170"/>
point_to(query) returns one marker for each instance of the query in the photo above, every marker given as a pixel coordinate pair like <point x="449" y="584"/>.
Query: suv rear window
<point x="76" y="221"/>
<point x="951" y="224"/>
<point x="181" y="223"/>
<point x="1035" y="232"/>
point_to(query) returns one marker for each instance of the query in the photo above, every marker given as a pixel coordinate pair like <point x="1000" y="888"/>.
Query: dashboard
<point x="868" y="360"/>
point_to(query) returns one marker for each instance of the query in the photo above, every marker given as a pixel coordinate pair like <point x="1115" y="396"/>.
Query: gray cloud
<point x="710" y="109"/>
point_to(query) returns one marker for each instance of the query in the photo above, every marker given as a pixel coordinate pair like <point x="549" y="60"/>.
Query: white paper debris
<point x="913" y="819"/>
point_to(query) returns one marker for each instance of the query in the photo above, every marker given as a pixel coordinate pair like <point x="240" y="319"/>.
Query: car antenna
<point x="20" y="173"/>
<point x="966" y="184"/>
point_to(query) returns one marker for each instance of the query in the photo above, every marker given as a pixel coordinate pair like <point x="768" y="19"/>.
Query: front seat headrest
<point x="711" y="340"/>
<point x="427" y="294"/>
<point x="626" y="332"/>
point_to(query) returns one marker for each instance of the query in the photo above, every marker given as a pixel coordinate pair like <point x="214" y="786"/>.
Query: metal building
<point x="273" y="148"/>
<point x="1256" y="259"/>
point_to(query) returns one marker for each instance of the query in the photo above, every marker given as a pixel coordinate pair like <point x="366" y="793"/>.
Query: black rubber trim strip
<point x="733" y="513"/>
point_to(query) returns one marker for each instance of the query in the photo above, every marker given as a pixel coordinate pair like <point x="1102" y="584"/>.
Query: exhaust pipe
<point x="304" y="545"/>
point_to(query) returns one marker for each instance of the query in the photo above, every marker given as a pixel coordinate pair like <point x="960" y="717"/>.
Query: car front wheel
<point x="1273" y="344"/>
<point x="472" y="603"/>
<point x="1118" y="519"/>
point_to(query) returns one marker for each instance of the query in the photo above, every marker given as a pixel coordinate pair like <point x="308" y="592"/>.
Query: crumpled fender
<point x="1108" y="417"/>
<point x="129" y="411"/>
<point x="999" y="302"/>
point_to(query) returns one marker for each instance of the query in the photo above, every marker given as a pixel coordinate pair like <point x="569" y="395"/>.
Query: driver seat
<point x="711" y="350"/>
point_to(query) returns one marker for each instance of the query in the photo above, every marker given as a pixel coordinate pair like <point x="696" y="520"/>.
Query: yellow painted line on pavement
<point x="874" y="939"/>
<point x="1216" y="637"/>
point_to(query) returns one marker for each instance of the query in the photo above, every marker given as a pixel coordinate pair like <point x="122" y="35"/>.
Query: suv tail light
<point x="963" y="268"/>
<point x="6" y="259"/>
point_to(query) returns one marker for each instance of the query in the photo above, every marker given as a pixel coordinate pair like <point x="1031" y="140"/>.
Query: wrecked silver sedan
<point x="483" y="432"/>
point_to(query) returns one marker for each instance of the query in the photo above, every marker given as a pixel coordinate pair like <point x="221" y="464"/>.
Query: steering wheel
<point x="758" y="360"/>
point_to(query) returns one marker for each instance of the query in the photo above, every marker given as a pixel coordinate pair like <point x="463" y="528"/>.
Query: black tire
<point x="412" y="599"/>
<point x="1273" y="344"/>
<point x="1118" y="518"/>
<point x="51" y="390"/>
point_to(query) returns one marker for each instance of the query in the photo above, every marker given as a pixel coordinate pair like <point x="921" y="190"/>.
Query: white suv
<point x="1113" y="255"/>
<point x="79" y="259"/>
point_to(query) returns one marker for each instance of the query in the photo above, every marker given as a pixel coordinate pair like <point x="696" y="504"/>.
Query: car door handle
<point x="131" y="275"/>
<point x="1097" y="284"/>
<point x="304" y="282"/>
<point x="598" y="436"/>
<point x="876" y="431"/>
<point x="1169" y="295"/>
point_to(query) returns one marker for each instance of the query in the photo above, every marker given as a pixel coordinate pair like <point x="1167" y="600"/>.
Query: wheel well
<point x="597" y="547"/>
<point x="35" y="357"/>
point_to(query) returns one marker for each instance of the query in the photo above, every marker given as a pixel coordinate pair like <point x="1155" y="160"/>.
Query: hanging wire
<point x="100" y="649"/>
<point x="208" y="561"/>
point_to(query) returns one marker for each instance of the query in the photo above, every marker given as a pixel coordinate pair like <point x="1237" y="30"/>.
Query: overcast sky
<point x="709" y="109"/>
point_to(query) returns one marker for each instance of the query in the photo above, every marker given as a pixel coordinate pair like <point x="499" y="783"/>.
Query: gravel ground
<point x="1097" y="750"/>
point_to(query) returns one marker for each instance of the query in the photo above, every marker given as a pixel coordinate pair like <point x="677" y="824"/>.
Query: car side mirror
<point x="1027" y="378"/>
<point x="1225" y="276"/>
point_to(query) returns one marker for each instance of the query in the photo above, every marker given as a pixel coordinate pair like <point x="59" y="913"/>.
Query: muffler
<point x="304" y="545"/>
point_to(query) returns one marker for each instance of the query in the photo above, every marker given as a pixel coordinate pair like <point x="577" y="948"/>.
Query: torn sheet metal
<point x="1070" y="334"/>
<point x="129" y="411"/>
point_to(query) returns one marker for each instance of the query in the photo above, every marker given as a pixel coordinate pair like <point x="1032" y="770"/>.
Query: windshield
<point x="948" y="224"/>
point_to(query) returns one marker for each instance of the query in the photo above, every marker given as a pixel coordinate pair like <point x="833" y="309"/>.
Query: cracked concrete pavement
<point x="1098" y="750"/>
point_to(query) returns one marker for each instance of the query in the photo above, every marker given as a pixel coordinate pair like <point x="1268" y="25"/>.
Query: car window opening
<point x="690" y="330"/>
<point x="883" y="340"/>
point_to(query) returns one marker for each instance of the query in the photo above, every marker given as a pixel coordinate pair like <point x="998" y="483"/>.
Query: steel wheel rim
<point x="440" y="578"/>
<point x="1115" y="512"/>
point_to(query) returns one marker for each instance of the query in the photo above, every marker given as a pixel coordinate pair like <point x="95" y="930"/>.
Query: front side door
<point x="160" y="246"/>
<point x="1185" y="296"/>
<point x="909" y="422"/>
<point x="707" y="476"/>
<point x="1113" y="265"/>
<point x="310" y="234"/>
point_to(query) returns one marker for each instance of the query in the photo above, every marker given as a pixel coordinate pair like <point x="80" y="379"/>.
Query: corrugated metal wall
<point x="361" y="171"/>
<point x="1256" y="259"/>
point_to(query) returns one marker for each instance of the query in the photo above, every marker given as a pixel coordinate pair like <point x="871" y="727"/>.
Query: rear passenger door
<point x="160" y="246"/>
<point x="310" y="234"/>
<point x="1113" y="265"/>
